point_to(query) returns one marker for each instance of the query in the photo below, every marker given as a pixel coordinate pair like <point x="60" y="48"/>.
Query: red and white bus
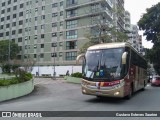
<point x="113" y="70"/>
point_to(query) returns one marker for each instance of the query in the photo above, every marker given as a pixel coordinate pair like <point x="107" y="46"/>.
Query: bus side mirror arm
<point x="124" y="57"/>
<point x="79" y="57"/>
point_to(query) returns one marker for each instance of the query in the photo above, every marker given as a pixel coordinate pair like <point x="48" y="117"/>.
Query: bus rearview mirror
<point x="79" y="57"/>
<point x="124" y="57"/>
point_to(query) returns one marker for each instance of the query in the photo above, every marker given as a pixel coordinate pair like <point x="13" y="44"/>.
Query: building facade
<point x="52" y="31"/>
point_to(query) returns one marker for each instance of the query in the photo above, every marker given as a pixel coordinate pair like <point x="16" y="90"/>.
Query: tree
<point x="150" y="23"/>
<point x="5" y="56"/>
<point x="4" y="50"/>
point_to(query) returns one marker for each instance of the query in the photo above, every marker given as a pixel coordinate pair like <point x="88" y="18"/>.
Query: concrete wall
<point x="16" y="90"/>
<point x="60" y="70"/>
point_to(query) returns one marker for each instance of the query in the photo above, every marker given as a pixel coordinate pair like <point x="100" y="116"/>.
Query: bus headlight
<point x="84" y="91"/>
<point x="116" y="93"/>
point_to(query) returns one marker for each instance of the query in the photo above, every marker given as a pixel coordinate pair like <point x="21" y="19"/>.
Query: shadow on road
<point x="114" y="100"/>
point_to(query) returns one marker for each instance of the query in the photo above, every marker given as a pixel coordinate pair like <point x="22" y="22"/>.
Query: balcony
<point x="91" y="12"/>
<point x="87" y="2"/>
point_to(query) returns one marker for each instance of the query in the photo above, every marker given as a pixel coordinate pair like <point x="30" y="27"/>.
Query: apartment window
<point x="15" y="0"/>
<point x="26" y="29"/>
<point x="20" y="31"/>
<point x="29" y="29"/>
<point x="21" y="22"/>
<point x="8" y="9"/>
<point x="61" y="23"/>
<point x="35" y="37"/>
<point x="72" y="13"/>
<point x="1" y="27"/>
<point x="8" y="17"/>
<point x="7" y="33"/>
<point x="43" y="17"/>
<point x="71" y="55"/>
<point x="13" y="32"/>
<point x="53" y="54"/>
<point x="2" y="19"/>
<point x="54" y="24"/>
<point x="61" y="13"/>
<point x="35" y="27"/>
<point x="20" y="14"/>
<point x="54" y="44"/>
<point x="71" y="34"/>
<point x="36" y="18"/>
<point x="1" y="34"/>
<point x="7" y="25"/>
<point x="9" y="2"/>
<point x="71" y="45"/>
<point x="54" y="14"/>
<point x="21" y="5"/>
<point x="3" y="4"/>
<point x="60" y="33"/>
<point x="71" y="2"/>
<point x="54" y="34"/>
<point x="41" y="55"/>
<point x="20" y="39"/>
<point x="42" y="35"/>
<point x="36" y="9"/>
<point x="14" y="15"/>
<point x="13" y="24"/>
<point x="27" y="11"/>
<point x="42" y="45"/>
<point x="13" y="40"/>
<point x="61" y="3"/>
<point x="42" y="26"/>
<point x="60" y="54"/>
<point x="27" y="3"/>
<point x="43" y="7"/>
<point x="54" y="5"/>
<point x="3" y="11"/>
<point x="71" y="24"/>
<point x="14" y="7"/>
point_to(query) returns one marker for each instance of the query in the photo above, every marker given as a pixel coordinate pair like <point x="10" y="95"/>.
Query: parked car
<point x="155" y="80"/>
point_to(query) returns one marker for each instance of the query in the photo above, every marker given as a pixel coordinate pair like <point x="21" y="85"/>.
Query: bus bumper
<point x="116" y="92"/>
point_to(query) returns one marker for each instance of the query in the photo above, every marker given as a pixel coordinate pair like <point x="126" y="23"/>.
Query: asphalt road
<point x="58" y="95"/>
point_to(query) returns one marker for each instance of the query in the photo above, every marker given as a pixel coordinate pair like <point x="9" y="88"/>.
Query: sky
<point x="137" y="8"/>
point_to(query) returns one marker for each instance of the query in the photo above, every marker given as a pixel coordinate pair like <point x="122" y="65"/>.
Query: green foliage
<point x="150" y="23"/>
<point x="7" y="68"/>
<point x="22" y="78"/>
<point x="22" y="75"/>
<point x="4" y="50"/>
<point x="77" y="74"/>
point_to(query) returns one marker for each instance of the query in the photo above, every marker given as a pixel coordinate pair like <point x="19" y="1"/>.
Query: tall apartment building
<point x="134" y="38"/>
<point x="119" y="16"/>
<point x="52" y="31"/>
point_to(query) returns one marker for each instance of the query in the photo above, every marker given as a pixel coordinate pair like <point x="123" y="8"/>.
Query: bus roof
<point x="109" y="45"/>
<point x="113" y="45"/>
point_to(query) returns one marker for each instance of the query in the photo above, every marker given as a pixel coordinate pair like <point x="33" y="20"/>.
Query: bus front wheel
<point x="130" y="93"/>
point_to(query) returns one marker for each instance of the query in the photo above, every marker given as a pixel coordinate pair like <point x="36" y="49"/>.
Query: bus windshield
<point x="103" y="65"/>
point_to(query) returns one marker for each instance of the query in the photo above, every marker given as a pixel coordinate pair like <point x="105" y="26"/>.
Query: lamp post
<point x="54" y="55"/>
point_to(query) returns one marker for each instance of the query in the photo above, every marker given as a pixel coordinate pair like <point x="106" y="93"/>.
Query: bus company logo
<point x="6" y="114"/>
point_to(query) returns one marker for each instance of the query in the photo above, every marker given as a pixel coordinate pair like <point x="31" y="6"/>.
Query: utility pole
<point x="54" y="55"/>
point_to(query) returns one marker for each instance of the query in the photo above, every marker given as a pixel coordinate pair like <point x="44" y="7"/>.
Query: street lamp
<point x="54" y="55"/>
